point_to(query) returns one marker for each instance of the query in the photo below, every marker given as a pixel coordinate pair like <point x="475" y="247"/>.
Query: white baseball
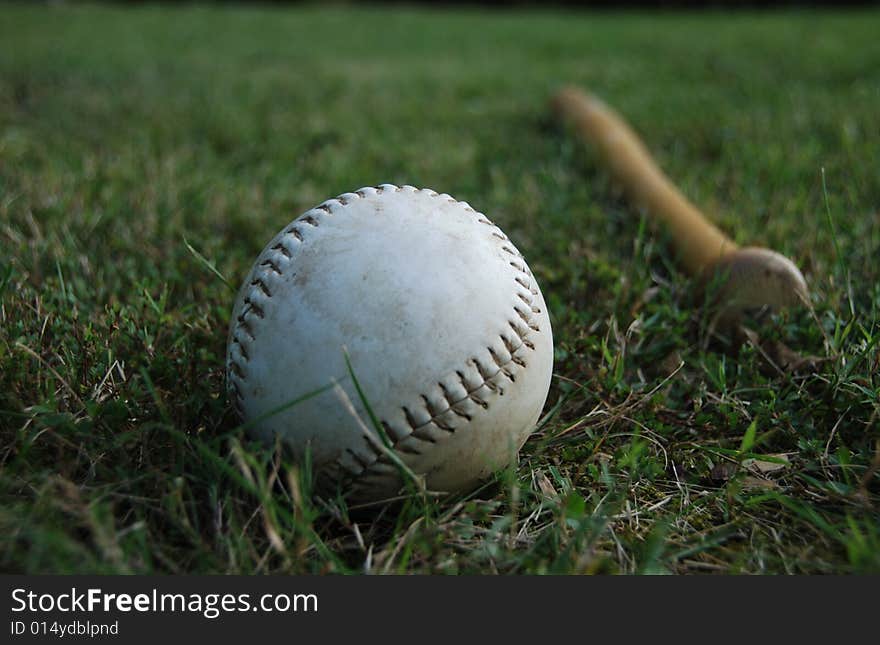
<point x="444" y="325"/>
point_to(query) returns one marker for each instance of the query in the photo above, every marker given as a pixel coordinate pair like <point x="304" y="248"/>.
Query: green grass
<point x="127" y="135"/>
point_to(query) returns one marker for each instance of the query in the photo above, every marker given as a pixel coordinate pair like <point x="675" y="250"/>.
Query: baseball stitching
<point x="425" y="423"/>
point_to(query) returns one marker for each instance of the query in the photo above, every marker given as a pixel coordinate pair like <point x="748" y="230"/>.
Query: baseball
<point x="425" y="305"/>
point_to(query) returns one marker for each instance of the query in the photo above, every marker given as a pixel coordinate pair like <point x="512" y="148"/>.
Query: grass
<point x="142" y="149"/>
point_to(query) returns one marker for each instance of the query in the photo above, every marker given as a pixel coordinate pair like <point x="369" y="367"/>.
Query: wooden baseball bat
<point x="749" y="277"/>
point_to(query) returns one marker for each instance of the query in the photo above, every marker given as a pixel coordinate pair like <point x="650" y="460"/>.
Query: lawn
<point x="135" y="141"/>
